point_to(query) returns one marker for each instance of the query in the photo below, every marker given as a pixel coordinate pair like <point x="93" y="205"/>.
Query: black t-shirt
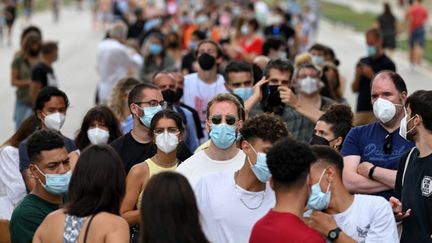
<point x="43" y="74"/>
<point x="284" y="31"/>
<point x="416" y="194"/>
<point x="379" y="64"/>
<point x="132" y="152"/>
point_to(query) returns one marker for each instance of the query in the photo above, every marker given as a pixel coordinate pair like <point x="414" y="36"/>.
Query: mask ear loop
<point x="322" y="174"/>
<point x="37" y="167"/>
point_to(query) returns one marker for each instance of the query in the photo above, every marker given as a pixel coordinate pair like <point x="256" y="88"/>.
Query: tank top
<point x="153" y="170"/>
<point x="72" y="228"/>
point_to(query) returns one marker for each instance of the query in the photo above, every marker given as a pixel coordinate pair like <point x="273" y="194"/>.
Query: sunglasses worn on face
<point x="229" y="119"/>
<point x="388" y="141"/>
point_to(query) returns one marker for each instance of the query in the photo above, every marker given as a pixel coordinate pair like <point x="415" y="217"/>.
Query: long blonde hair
<point x="117" y="101"/>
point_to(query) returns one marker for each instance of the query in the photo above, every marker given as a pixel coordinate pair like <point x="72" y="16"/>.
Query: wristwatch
<point x="333" y="234"/>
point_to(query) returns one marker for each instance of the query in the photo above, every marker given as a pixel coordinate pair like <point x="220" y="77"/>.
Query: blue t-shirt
<point x="368" y="142"/>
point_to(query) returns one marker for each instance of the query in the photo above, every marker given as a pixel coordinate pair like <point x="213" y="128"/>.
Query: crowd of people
<point x="224" y="124"/>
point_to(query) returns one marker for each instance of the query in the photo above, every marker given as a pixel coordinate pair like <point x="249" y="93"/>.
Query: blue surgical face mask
<point x="148" y="115"/>
<point x="260" y="168"/>
<point x="244" y="93"/>
<point x="319" y="200"/>
<point x="372" y="51"/>
<point x="56" y="184"/>
<point x="155" y="49"/>
<point x="193" y="45"/>
<point x="318" y="60"/>
<point x="223" y="135"/>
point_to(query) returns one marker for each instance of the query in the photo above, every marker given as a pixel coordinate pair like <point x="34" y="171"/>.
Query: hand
<point x="257" y="94"/>
<point x="367" y="71"/>
<point x="364" y="168"/>
<point x="321" y="222"/>
<point x="288" y="97"/>
<point x="397" y="209"/>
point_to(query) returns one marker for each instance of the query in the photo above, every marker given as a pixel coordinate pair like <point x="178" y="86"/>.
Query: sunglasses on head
<point x="388" y="143"/>
<point x="229" y="119"/>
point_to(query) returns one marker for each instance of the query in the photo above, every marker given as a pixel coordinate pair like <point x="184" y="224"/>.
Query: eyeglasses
<point x="229" y="119"/>
<point x="153" y="103"/>
<point x="172" y="130"/>
<point x="388" y="143"/>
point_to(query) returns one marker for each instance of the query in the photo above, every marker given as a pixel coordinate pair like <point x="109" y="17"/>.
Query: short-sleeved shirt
<point x="24" y="157"/>
<point x="377" y="64"/>
<point x="281" y="227"/>
<point x="44" y="74"/>
<point x="27" y="217"/>
<point x="368" y="142"/>
<point x="255" y="46"/>
<point x="416" y="194"/>
<point x="418" y="15"/>
<point x="300" y="127"/>
<point x="133" y="152"/>
<point x="234" y="223"/>
<point x="24" y="73"/>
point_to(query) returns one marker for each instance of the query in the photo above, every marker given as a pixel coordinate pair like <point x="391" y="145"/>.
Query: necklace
<point x="241" y="199"/>
<point x="159" y="163"/>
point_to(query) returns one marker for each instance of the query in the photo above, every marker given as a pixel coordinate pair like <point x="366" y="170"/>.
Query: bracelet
<point x="371" y="171"/>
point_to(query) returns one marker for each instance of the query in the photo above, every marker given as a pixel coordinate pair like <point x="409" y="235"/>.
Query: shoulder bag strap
<point x="406" y="164"/>
<point x="87" y="228"/>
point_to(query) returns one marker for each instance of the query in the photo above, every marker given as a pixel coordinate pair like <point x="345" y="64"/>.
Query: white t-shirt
<point x="12" y="187"/>
<point x="228" y="211"/>
<point x="198" y="93"/>
<point x="369" y="219"/>
<point x="199" y="164"/>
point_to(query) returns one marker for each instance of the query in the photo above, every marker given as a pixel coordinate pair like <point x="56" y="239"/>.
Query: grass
<point x="403" y="44"/>
<point x="346" y="16"/>
<point x="361" y="22"/>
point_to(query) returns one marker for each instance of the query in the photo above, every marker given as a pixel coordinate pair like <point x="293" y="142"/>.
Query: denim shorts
<point x="418" y="36"/>
<point x="22" y="111"/>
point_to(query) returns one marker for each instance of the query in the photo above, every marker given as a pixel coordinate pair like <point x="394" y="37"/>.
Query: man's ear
<point x="245" y="146"/>
<point x="207" y="126"/>
<point x="271" y="182"/>
<point x="34" y="172"/>
<point x="39" y="115"/>
<point x="134" y="109"/>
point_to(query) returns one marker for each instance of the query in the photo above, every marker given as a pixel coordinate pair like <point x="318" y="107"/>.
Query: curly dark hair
<point x="45" y="95"/>
<point x="289" y="162"/>
<point x="340" y="119"/>
<point x="43" y="140"/>
<point x="268" y="127"/>
<point x="420" y="103"/>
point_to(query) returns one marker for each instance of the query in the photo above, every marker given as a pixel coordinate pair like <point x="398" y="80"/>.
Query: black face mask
<point x="33" y="52"/>
<point x="206" y="61"/>
<point x="169" y="96"/>
<point x="178" y="95"/>
<point x="317" y="140"/>
<point x="173" y="44"/>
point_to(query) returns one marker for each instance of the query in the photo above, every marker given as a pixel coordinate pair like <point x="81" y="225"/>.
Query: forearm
<point x="20" y="83"/>
<point x="385" y="176"/>
<point x="344" y="238"/>
<point x="250" y="103"/>
<point x="309" y="112"/>
<point x="356" y="183"/>
<point x="132" y="217"/>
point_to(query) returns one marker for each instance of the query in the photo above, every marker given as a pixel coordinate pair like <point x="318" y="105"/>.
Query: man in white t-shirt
<point x="115" y="60"/>
<point x="201" y="87"/>
<point x="231" y="202"/>
<point x="223" y="123"/>
<point x="340" y="216"/>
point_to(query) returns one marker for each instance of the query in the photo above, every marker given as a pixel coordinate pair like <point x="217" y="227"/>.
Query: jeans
<point x="22" y="111"/>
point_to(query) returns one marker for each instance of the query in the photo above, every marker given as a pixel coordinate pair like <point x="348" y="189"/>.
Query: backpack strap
<point x="406" y="164"/>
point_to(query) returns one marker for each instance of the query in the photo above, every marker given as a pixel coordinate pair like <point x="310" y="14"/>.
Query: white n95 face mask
<point x="97" y="135"/>
<point x="54" y="121"/>
<point x="384" y="110"/>
<point x="309" y="85"/>
<point x="167" y="142"/>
